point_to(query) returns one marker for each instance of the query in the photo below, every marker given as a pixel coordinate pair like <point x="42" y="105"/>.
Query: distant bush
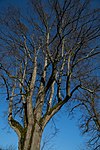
<point x="11" y="147"/>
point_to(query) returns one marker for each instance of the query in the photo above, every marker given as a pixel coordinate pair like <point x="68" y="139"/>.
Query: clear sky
<point x="68" y="136"/>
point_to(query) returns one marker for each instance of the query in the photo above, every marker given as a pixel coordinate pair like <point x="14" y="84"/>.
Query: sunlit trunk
<point x="32" y="139"/>
<point x="36" y="138"/>
<point x="27" y="140"/>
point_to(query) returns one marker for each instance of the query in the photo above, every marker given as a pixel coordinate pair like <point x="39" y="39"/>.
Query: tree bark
<point x="36" y="138"/>
<point x="27" y="140"/>
<point x="31" y="138"/>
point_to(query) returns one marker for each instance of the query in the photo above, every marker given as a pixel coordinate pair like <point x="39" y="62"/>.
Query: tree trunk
<point x="36" y="138"/>
<point x="31" y="139"/>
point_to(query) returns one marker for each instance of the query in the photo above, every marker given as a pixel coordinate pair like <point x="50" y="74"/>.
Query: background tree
<point x="89" y="105"/>
<point x="46" y="57"/>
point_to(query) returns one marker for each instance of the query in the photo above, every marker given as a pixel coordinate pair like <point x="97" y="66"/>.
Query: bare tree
<point x="46" y="57"/>
<point x="89" y="104"/>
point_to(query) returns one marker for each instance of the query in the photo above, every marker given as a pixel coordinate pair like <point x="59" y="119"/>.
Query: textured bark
<point x="32" y="139"/>
<point x="28" y="138"/>
<point x="36" y="138"/>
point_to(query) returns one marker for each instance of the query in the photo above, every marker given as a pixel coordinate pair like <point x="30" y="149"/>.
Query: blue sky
<point x="68" y="137"/>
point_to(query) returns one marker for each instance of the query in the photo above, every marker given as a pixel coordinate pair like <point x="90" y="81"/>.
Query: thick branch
<point x="53" y="111"/>
<point x="13" y="123"/>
